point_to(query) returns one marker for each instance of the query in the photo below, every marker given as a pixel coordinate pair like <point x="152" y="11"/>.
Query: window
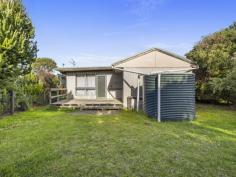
<point x="91" y="81"/>
<point x="81" y="81"/>
<point x="86" y="86"/>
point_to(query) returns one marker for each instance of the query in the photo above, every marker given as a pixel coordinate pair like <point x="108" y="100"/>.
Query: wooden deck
<point x="93" y="104"/>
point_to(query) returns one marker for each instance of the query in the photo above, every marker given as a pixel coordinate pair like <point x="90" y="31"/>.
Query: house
<point x="123" y="80"/>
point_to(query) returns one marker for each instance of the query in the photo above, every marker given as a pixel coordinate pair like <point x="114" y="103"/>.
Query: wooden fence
<point x="57" y="94"/>
<point x="9" y="102"/>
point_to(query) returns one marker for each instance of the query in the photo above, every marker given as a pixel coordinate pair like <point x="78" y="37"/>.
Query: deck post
<point x="137" y="100"/>
<point x="58" y="93"/>
<point x="50" y="95"/>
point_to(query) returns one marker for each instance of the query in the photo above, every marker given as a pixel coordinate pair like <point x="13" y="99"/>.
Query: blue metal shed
<point x="170" y="96"/>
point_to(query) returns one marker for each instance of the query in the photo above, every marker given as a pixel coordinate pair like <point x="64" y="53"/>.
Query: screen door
<point x="101" y="86"/>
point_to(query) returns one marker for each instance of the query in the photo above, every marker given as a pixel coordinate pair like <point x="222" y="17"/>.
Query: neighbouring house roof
<point x="100" y="68"/>
<point x="151" y="50"/>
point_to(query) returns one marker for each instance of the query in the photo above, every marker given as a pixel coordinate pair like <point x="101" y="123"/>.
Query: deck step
<point x="93" y="106"/>
<point x="90" y="104"/>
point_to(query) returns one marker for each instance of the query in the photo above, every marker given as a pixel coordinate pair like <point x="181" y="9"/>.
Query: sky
<point x="100" y="32"/>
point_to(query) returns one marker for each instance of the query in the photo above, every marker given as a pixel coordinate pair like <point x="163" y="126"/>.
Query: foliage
<point x="17" y="46"/>
<point x="28" y="90"/>
<point x="33" y="87"/>
<point x="44" y="64"/>
<point x="225" y="88"/>
<point x="44" y="68"/>
<point x="58" y="143"/>
<point x="4" y="101"/>
<point x="215" y="55"/>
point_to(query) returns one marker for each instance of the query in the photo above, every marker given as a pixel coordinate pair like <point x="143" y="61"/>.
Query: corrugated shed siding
<point x="150" y="95"/>
<point x="177" y="96"/>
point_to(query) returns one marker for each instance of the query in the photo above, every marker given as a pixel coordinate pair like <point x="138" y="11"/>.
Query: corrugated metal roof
<point x="100" y="68"/>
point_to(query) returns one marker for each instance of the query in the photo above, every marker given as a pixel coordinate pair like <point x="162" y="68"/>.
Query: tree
<point x="44" y="64"/>
<point x="215" y="55"/>
<point x="44" y="68"/>
<point x="225" y="88"/>
<point x="17" y="45"/>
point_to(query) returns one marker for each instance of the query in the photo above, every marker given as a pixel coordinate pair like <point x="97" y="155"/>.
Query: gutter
<point x="154" y="72"/>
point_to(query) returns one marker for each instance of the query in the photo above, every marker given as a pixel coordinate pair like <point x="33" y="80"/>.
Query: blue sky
<point x="100" y="32"/>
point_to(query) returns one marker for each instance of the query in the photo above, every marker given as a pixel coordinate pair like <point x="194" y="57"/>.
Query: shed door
<point x="101" y="86"/>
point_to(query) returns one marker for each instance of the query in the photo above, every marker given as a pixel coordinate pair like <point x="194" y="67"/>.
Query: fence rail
<point x="57" y="94"/>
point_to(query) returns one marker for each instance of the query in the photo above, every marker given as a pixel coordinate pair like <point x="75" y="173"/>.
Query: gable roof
<point x="151" y="50"/>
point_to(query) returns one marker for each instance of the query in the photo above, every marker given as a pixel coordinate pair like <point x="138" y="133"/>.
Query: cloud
<point x="143" y="7"/>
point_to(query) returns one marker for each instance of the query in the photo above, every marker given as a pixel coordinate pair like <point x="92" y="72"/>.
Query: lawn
<point x="45" y="142"/>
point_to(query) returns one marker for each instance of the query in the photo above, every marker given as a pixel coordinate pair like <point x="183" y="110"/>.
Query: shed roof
<point x="73" y="69"/>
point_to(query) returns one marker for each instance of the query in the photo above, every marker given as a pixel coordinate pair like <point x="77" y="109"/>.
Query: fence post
<point x="12" y="101"/>
<point x="44" y="97"/>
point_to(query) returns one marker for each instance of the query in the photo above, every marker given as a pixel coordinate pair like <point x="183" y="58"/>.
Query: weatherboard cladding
<point x="177" y="96"/>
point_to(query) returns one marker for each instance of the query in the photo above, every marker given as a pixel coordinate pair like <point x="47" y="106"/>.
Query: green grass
<point x="45" y="142"/>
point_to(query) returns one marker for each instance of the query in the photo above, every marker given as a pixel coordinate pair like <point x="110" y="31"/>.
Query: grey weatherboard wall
<point x="177" y="96"/>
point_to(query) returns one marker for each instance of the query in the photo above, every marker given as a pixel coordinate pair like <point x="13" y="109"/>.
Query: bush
<point x="225" y="88"/>
<point x="28" y="91"/>
<point x="215" y="54"/>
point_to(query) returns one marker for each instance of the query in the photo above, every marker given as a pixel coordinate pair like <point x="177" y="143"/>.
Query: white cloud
<point x="143" y="7"/>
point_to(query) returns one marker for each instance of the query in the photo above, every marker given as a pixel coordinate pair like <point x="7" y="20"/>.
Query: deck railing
<point x="57" y="94"/>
